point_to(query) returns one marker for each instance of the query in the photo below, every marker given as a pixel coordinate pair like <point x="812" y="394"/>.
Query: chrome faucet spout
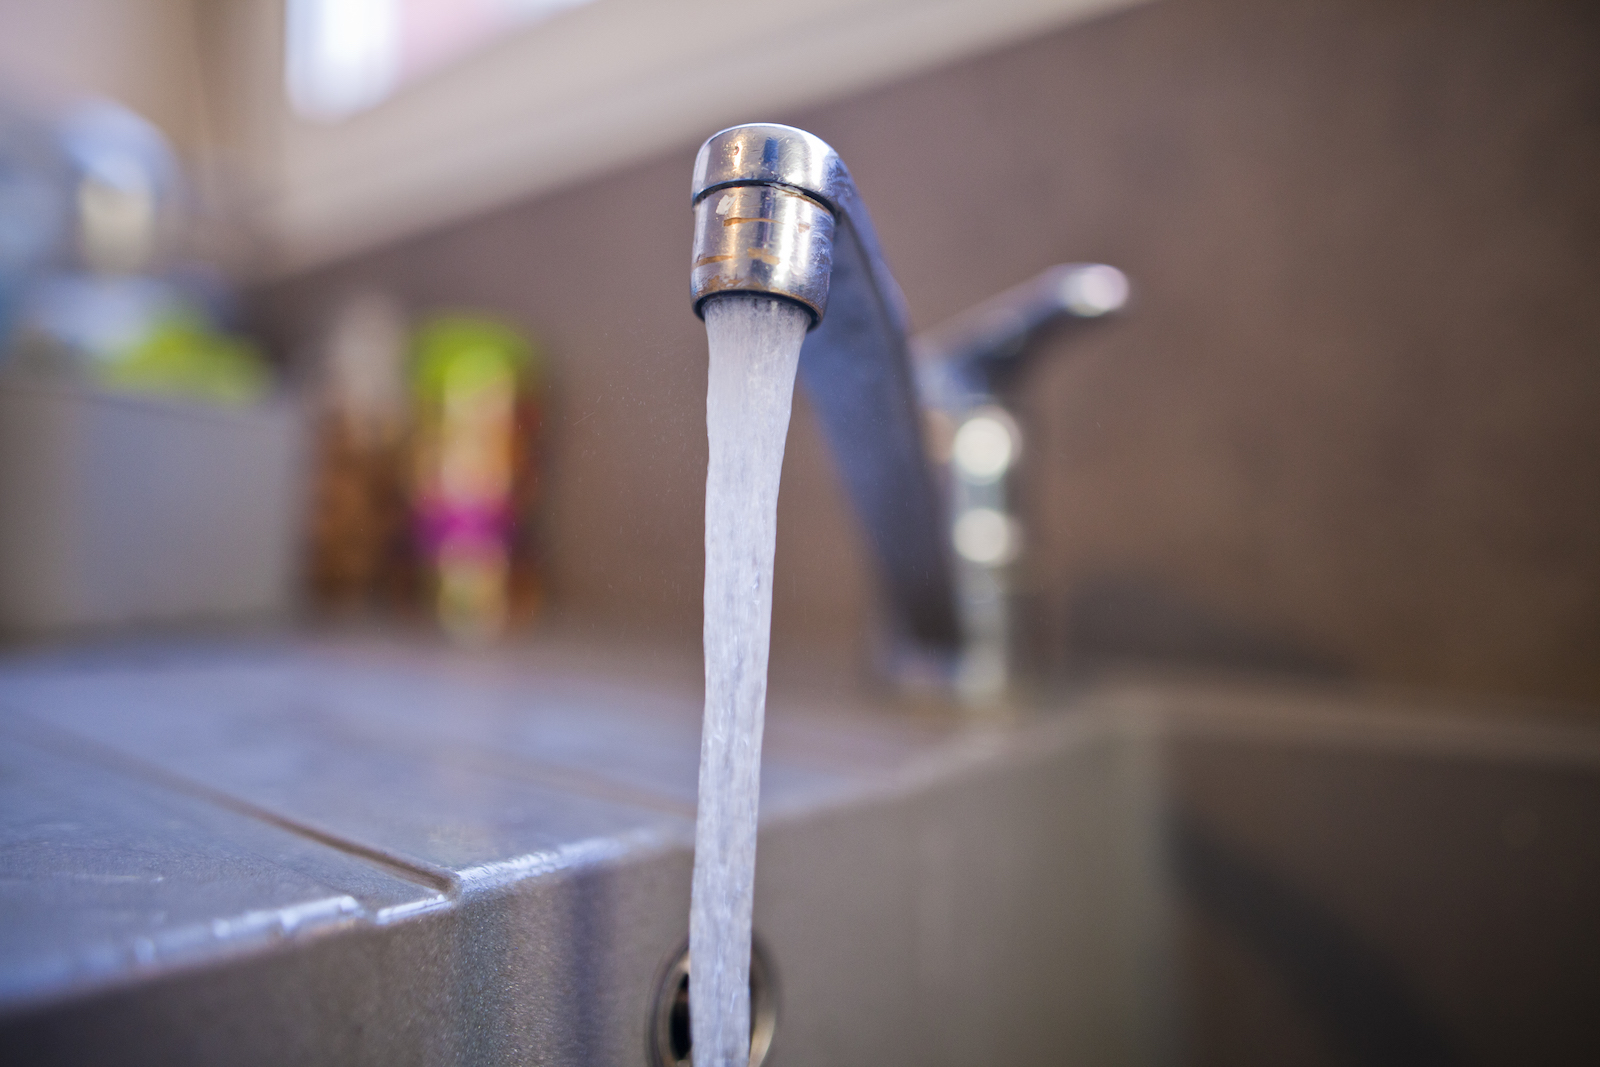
<point x="776" y="213"/>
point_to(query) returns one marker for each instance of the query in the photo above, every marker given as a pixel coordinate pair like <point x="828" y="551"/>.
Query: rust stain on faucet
<point x="761" y="254"/>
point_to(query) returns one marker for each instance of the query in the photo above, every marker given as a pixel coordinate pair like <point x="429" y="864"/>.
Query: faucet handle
<point x="961" y="361"/>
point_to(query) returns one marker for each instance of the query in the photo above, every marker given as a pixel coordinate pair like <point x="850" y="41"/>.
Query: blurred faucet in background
<point x="94" y="288"/>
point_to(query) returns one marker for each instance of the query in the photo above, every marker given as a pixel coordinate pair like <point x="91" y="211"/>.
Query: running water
<point x="755" y="347"/>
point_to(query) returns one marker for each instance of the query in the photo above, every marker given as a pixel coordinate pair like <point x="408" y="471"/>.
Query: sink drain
<point x="669" y="1017"/>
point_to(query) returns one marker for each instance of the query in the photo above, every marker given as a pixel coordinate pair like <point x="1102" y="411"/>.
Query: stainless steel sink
<point x="384" y="854"/>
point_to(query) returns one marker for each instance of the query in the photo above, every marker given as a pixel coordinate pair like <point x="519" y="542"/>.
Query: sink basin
<point x="380" y="854"/>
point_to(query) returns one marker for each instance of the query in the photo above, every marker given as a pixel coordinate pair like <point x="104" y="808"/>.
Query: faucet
<point x="776" y="213"/>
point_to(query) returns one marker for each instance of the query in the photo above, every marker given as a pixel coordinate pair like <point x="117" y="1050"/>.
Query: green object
<point x="463" y="351"/>
<point x="183" y="356"/>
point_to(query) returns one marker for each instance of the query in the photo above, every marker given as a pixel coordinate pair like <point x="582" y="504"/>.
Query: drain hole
<point x="669" y="1021"/>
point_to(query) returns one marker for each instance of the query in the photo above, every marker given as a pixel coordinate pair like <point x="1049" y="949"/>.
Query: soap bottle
<point x="360" y="557"/>
<point x="474" y="474"/>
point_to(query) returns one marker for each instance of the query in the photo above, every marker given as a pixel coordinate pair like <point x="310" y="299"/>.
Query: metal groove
<point x="528" y="769"/>
<point x="71" y="743"/>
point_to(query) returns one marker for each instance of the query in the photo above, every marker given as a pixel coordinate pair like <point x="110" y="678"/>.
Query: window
<point x="343" y="56"/>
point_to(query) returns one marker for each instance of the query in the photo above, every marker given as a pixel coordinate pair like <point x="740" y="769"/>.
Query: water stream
<point x="755" y="347"/>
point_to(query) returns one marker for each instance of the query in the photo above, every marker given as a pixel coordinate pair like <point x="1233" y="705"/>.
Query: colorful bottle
<point x="474" y="480"/>
<point x="360" y="547"/>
